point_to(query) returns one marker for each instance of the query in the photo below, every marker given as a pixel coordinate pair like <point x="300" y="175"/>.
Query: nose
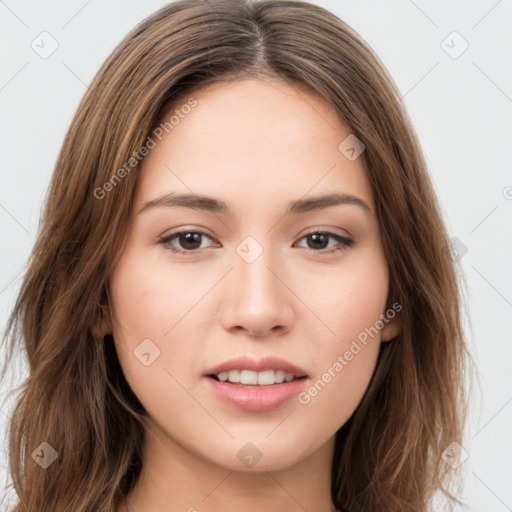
<point x="257" y="298"/>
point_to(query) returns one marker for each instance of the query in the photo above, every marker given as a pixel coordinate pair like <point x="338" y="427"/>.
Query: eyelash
<point x="165" y="240"/>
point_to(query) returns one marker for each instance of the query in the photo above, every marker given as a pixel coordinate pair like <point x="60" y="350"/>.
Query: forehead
<point x="252" y="140"/>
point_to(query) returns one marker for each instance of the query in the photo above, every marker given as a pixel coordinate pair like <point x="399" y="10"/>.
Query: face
<point x="260" y="271"/>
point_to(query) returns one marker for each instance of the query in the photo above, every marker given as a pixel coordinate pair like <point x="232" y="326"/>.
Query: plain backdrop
<point x="452" y="62"/>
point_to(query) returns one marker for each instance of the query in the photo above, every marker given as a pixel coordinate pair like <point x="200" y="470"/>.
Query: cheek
<point x="350" y="299"/>
<point x="346" y="355"/>
<point x="138" y="310"/>
<point x="155" y="301"/>
<point x="345" y="361"/>
<point x="150" y="298"/>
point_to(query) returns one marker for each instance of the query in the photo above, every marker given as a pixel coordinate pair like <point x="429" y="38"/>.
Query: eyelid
<point x="328" y="231"/>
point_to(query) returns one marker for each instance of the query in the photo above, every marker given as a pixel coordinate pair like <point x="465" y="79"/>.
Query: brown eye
<point x="184" y="242"/>
<point x="190" y="241"/>
<point x="318" y="241"/>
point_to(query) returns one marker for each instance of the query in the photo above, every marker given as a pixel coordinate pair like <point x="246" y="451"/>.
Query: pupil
<point x="189" y="239"/>
<point x="316" y="237"/>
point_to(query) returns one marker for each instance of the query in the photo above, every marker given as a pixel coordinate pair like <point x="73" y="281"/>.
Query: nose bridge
<point x="258" y="299"/>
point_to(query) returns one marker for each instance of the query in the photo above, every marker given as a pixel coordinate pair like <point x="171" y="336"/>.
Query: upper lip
<point x="257" y="365"/>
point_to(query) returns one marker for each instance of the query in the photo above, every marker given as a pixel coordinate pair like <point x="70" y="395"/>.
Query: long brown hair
<point x="388" y="456"/>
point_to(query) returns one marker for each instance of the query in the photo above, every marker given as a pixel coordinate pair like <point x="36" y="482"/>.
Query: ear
<point x="392" y="324"/>
<point x="103" y="324"/>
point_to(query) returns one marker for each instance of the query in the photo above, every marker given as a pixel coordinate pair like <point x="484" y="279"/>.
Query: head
<point x="259" y="108"/>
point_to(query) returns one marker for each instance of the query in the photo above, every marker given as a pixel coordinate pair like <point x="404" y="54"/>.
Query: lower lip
<point x="256" y="398"/>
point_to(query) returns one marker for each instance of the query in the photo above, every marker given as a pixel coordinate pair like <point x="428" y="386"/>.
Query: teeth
<point x="233" y="376"/>
<point x="280" y="376"/>
<point x="248" y="377"/>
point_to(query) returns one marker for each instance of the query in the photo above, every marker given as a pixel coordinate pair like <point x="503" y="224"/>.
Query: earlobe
<point x="391" y="328"/>
<point x="103" y="325"/>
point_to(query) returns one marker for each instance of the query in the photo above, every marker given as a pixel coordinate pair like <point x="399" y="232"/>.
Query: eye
<point x="189" y="239"/>
<point x="190" y="242"/>
<point x="319" y="238"/>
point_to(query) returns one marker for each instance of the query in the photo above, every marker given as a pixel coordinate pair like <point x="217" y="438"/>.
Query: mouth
<point x="255" y="397"/>
<point x="256" y="385"/>
<point x="249" y="371"/>
<point x="255" y="379"/>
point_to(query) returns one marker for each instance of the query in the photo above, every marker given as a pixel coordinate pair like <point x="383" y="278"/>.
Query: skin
<point x="257" y="145"/>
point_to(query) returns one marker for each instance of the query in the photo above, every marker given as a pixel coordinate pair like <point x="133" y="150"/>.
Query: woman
<point x="253" y="369"/>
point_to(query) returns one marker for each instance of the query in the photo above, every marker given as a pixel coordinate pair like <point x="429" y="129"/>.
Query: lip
<point x="257" y="365"/>
<point x="256" y="398"/>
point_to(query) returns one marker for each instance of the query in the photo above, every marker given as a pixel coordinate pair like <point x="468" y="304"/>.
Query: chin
<point x="258" y="456"/>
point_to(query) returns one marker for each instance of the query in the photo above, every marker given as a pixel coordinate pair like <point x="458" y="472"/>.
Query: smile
<point x="248" y="377"/>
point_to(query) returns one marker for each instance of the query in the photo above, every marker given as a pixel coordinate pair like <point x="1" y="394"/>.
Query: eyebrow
<point x="210" y="204"/>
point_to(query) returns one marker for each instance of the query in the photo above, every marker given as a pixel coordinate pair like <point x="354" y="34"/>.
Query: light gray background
<point x="461" y="108"/>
